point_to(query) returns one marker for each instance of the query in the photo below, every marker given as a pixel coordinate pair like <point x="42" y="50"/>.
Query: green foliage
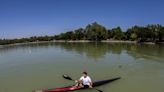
<point x="79" y="34"/>
<point x="148" y="33"/>
<point x="97" y="32"/>
<point x="133" y="36"/>
<point x="161" y="34"/>
<point x="117" y="33"/>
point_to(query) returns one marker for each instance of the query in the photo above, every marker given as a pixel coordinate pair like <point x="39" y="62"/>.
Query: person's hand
<point x="76" y="81"/>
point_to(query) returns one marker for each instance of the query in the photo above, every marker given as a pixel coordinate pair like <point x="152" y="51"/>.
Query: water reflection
<point x="152" y="52"/>
<point x="96" y="50"/>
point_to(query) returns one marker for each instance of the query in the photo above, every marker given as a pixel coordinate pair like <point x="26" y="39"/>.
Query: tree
<point x="79" y="34"/>
<point x="96" y="32"/>
<point x="117" y="33"/>
<point x="133" y="36"/>
<point x="128" y="33"/>
<point x="155" y="30"/>
<point x="161" y="34"/>
<point x="142" y="33"/>
<point x="109" y="34"/>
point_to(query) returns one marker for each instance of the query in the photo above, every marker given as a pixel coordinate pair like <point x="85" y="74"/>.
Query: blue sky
<point x="25" y="18"/>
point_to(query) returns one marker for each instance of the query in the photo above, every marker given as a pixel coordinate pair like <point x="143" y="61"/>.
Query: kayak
<point x="72" y="88"/>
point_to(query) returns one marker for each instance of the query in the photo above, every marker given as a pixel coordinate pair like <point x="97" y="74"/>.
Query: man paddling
<point x="84" y="81"/>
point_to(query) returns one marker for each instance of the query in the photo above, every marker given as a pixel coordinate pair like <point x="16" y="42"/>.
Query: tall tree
<point x="79" y="34"/>
<point x="161" y="34"/>
<point x="96" y="32"/>
<point x="155" y="29"/>
<point x="117" y="33"/>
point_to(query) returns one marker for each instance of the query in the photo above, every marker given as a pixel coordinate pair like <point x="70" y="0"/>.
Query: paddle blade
<point x="67" y="77"/>
<point x="99" y="90"/>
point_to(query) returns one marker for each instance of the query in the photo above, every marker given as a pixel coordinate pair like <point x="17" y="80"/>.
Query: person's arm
<point x="81" y="79"/>
<point x="90" y="83"/>
<point x="90" y="86"/>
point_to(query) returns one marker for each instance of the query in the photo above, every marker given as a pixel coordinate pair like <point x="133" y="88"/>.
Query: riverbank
<point x="110" y="41"/>
<point x="77" y="41"/>
<point x="68" y="41"/>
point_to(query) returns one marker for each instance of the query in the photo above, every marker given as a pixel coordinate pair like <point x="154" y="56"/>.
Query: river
<point x="24" y="68"/>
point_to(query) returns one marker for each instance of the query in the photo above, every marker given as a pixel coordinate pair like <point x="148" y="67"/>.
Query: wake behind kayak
<point x="71" y="88"/>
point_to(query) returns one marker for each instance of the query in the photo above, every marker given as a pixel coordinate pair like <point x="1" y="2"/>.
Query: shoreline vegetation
<point x="150" y="34"/>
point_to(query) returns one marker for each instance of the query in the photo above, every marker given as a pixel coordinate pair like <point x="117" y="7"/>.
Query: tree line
<point x="97" y="32"/>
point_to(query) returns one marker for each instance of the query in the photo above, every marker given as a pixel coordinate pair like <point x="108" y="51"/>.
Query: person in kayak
<point x="84" y="81"/>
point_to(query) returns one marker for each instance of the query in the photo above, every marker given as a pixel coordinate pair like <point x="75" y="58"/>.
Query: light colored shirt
<point x="86" y="81"/>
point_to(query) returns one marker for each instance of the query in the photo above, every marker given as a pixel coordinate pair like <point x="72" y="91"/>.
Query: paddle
<point x="69" y="78"/>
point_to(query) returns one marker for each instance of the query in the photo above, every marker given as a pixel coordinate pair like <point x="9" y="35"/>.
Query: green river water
<point x="24" y="68"/>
